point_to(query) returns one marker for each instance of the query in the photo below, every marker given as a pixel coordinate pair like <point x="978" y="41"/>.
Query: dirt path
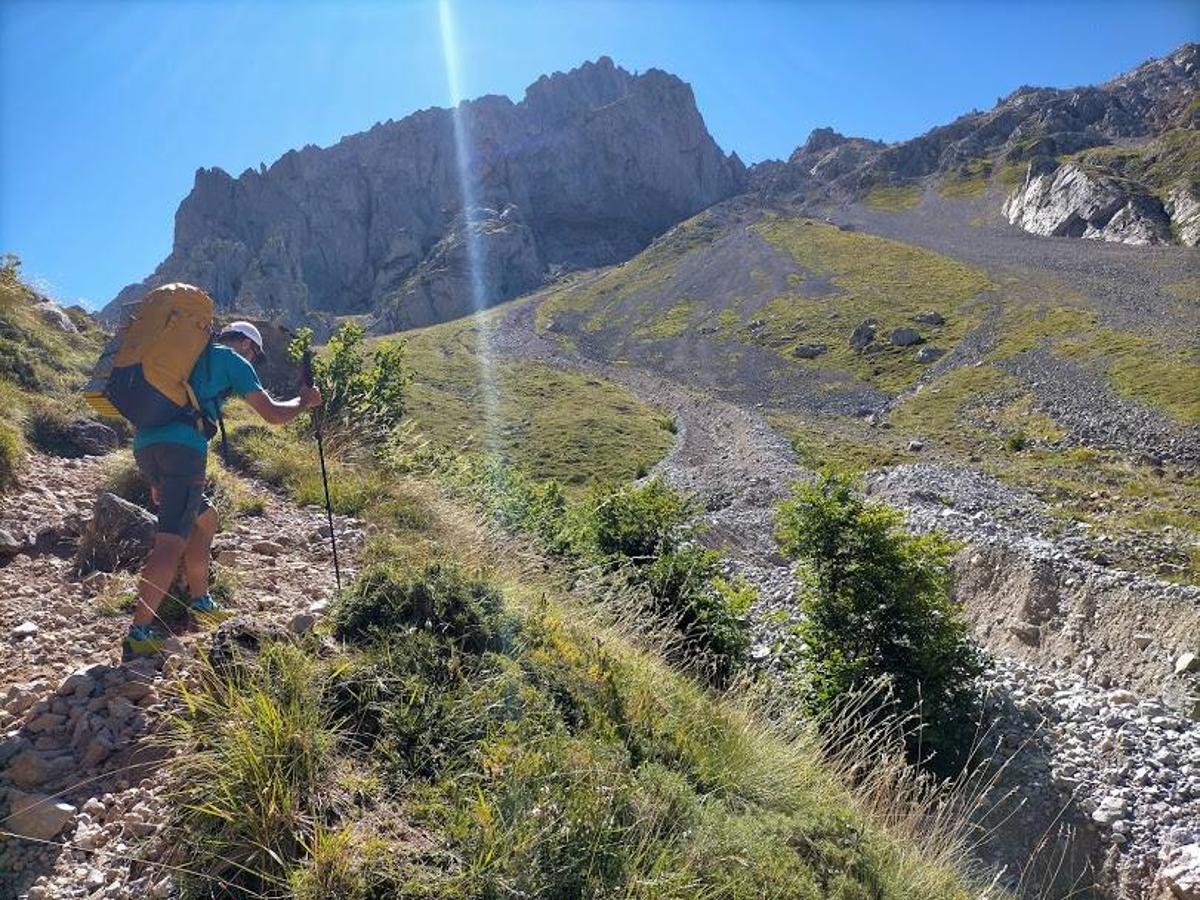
<point x="79" y="751"/>
<point x="1094" y="758"/>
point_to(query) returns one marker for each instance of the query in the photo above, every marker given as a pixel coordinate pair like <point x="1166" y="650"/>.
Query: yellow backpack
<point x="143" y="372"/>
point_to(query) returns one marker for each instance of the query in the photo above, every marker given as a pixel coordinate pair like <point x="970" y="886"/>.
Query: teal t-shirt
<point x="218" y="373"/>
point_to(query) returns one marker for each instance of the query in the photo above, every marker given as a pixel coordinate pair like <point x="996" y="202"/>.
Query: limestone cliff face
<point x="585" y="170"/>
<point x="1068" y="201"/>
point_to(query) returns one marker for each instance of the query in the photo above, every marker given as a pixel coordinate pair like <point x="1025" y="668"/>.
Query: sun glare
<point x="470" y="214"/>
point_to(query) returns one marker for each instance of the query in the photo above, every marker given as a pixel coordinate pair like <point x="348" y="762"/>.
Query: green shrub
<point x="1017" y="441"/>
<point x="709" y="613"/>
<point x="440" y="599"/>
<point x="876" y="608"/>
<point x="363" y="393"/>
<point x="635" y="522"/>
<point x="12" y="453"/>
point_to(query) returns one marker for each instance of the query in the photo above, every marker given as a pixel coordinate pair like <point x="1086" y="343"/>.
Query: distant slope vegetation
<point x="570" y="427"/>
<point x="871" y="351"/>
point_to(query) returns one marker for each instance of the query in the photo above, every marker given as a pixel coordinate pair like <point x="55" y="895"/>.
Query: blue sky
<point x="108" y="108"/>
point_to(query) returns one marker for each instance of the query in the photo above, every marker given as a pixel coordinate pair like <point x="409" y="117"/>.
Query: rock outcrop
<point x="1071" y="202"/>
<point x="585" y="170"/>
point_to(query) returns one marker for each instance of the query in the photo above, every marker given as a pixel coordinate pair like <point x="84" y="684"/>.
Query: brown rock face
<point x="585" y="170"/>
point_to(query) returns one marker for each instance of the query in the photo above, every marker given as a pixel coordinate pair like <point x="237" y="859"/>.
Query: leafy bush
<point x="708" y="612"/>
<point x="637" y="522"/>
<point x="364" y="393"/>
<point x="515" y="501"/>
<point x="640" y="536"/>
<point x="440" y="598"/>
<point x="876" y="607"/>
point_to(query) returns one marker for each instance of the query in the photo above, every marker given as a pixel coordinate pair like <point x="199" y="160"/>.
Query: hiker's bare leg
<point x="198" y="552"/>
<point x="157" y="574"/>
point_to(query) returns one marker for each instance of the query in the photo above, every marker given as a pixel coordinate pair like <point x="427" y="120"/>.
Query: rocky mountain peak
<point x="585" y="170"/>
<point x="820" y="139"/>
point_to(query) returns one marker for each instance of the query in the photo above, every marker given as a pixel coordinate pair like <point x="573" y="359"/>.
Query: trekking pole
<point x="306" y="372"/>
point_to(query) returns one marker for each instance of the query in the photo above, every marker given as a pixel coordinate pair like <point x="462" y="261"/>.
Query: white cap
<point x="245" y="329"/>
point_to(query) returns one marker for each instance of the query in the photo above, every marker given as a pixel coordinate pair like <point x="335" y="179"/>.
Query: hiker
<point x="173" y="459"/>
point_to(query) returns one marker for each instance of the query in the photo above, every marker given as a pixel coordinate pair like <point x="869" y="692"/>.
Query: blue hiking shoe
<point x="208" y="612"/>
<point x="142" y="641"/>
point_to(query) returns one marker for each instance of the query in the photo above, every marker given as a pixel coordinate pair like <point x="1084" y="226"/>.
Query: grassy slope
<point x="877" y="278"/>
<point x="553" y="424"/>
<point x="1155" y="166"/>
<point x="589" y="767"/>
<point x="41" y="368"/>
<point x="572" y="762"/>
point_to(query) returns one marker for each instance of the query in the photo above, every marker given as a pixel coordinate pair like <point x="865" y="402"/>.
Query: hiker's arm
<point x="280" y="412"/>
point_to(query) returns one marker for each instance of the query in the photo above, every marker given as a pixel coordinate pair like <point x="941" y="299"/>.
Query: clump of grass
<point x="231" y="495"/>
<point x="464" y="611"/>
<point x="224" y="584"/>
<point x="250" y="784"/>
<point x="1016" y="441"/>
<point x="123" y="478"/>
<point x="119" y="595"/>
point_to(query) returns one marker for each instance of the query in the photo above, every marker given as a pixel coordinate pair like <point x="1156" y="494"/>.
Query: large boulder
<point x="905" y="337"/>
<point x="862" y="335"/>
<point x="92" y="438"/>
<point x="120" y="534"/>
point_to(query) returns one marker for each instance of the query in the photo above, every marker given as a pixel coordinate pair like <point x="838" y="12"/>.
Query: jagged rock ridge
<point x="584" y="171"/>
<point x="1136" y="180"/>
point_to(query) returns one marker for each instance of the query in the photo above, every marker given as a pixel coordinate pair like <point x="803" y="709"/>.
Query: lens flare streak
<point x="470" y="212"/>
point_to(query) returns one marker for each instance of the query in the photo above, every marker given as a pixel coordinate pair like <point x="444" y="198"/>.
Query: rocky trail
<point x="1092" y="711"/>
<point x="81" y="747"/>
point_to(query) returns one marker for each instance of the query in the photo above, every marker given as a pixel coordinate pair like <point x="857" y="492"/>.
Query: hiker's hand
<point x="310" y="397"/>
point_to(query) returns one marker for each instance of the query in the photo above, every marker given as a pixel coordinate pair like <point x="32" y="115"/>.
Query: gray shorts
<point x="176" y="474"/>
